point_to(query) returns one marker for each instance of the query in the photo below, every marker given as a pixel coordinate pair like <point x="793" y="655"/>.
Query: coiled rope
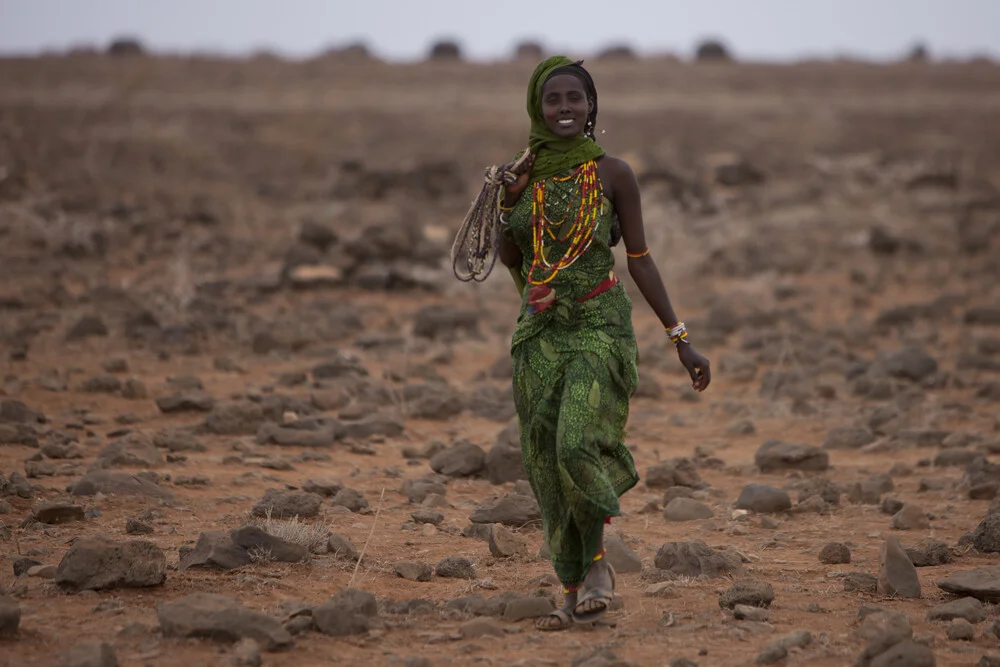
<point x="478" y="240"/>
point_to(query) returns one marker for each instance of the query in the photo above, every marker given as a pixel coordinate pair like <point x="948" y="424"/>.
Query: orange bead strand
<point x="580" y="234"/>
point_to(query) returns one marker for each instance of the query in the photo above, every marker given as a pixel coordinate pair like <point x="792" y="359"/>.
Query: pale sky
<point x="403" y="29"/>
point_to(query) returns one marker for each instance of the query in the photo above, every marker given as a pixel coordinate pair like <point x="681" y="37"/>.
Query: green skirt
<point x="574" y="373"/>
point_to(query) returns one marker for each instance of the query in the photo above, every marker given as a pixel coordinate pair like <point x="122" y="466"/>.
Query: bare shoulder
<point x="616" y="167"/>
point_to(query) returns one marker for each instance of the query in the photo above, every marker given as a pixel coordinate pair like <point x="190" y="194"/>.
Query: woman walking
<point x="563" y="206"/>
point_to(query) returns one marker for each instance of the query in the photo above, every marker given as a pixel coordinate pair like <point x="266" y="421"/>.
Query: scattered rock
<point x="57" y="511"/>
<point x="455" y="568"/>
<point x="774" y="455"/>
<point x="87" y="326"/>
<point x="777" y="649"/>
<point x="749" y="592"/>
<point x="982" y="583"/>
<point x="132" y="450"/>
<point x="686" y="509"/>
<point x="352" y="499"/>
<point x="848" y="437"/>
<point x="986" y="536"/>
<point x="530" y="607"/>
<point x="961" y="630"/>
<point x="968" y="608"/>
<point x="215" y="549"/>
<point x="512" y="510"/>
<point x="461" y="460"/>
<point x="835" y="553"/>
<point x="253" y="539"/>
<point x="480" y="627"/>
<point x="910" y="517"/>
<point x="88" y="654"/>
<point x="349" y="612"/>
<point x="504" y="543"/>
<point x="742" y="612"/>
<point x="692" y="559"/>
<point x="137" y="527"/>
<point x="860" y="582"/>
<point x="909" y="363"/>
<point x="676" y="472"/>
<point x="95" y="563"/>
<point x="270" y="433"/>
<point x="929" y="553"/>
<point x="414" y="571"/>
<point x="763" y="499"/>
<point x="186" y="401"/>
<point x="236" y="418"/>
<point x="896" y="575"/>
<point x="221" y="618"/>
<point x="341" y="548"/>
<point x="891" y="505"/>
<point x="10" y="616"/>
<point x="620" y="555"/>
<point x="112" y="482"/>
<point x="504" y="462"/>
<point x="285" y="504"/>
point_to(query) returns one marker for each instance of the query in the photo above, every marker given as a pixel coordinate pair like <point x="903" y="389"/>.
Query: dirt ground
<point x="245" y="222"/>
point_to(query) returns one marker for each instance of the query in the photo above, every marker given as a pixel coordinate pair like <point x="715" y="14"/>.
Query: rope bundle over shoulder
<point x="474" y="251"/>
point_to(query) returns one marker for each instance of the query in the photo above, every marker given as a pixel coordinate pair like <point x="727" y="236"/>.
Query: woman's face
<point x="565" y="105"/>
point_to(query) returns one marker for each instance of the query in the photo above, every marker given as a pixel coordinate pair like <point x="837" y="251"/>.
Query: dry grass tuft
<point x="312" y="536"/>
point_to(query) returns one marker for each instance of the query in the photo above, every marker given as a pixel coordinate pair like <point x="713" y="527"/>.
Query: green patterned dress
<point x="574" y="372"/>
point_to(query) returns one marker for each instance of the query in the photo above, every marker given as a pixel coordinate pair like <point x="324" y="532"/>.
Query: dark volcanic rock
<point x="215" y="549"/>
<point x="218" y="617"/>
<point x="461" y="460"/>
<point x="692" y="559"/>
<point x="286" y="504"/>
<point x="349" y="612"/>
<point x="113" y="482"/>
<point x="763" y="499"/>
<point x="775" y="455"/>
<point x="99" y="563"/>
<point x="511" y="510"/>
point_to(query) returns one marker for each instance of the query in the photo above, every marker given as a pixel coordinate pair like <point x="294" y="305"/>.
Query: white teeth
<point x="566" y="122"/>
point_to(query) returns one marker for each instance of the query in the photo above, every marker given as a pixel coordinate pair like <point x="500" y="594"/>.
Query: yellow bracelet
<point x="637" y="255"/>
<point x="505" y="209"/>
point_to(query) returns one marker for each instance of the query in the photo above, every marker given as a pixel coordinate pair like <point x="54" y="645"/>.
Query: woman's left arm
<point x="642" y="266"/>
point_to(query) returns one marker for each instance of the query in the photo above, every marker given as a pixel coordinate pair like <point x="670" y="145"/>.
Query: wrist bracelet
<point x="677" y="333"/>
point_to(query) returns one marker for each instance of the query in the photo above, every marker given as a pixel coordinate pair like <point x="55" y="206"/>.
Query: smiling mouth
<point x="566" y="122"/>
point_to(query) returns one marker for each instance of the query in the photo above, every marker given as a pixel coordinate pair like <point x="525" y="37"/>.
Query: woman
<point x="574" y="350"/>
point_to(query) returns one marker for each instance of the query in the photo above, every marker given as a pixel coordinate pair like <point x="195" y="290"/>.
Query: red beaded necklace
<point x="580" y="234"/>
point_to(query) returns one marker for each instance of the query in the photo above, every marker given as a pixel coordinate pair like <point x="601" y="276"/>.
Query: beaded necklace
<point x="580" y="233"/>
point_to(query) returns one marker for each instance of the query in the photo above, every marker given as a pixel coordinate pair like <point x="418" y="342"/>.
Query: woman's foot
<point x="597" y="593"/>
<point x="560" y="619"/>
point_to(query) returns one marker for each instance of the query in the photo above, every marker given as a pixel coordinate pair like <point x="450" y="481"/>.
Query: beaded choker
<point x="579" y="232"/>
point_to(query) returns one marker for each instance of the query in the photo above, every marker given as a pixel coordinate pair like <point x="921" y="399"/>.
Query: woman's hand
<point x="512" y="191"/>
<point x="697" y="366"/>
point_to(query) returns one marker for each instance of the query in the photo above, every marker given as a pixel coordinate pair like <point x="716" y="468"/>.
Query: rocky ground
<point x="248" y="417"/>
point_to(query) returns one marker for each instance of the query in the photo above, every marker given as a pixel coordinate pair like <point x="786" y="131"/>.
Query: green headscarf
<point x="553" y="154"/>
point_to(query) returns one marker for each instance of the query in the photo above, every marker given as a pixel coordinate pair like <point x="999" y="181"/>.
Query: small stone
<point x="522" y="608"/>
<point x="663" y="589"/>
<point x="686" y="509"/>
<point x="89" y="654"/>
<point x="835" y="553"/>
<point x="961" y="630"/>
<point x="750" y="592"/>
<point x="891" y="505"/>
<point x="10" y="616"/>
<point x="480" y="627"/>
<point x="620" y="555"/>
<point x="910" y="517"/>
<point x="744" y="612"/>
<point x="57" y="511"/>
<point x="414" y="571"/>
<point x="897" y="575"/>
<point x="763" y="499"/>
<point x="860" y="582"/>
<point x="504" y="543"/>
<point x="969" y="608"/>
<point x="455" y="568"/>
<point x="427" y="516"/>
